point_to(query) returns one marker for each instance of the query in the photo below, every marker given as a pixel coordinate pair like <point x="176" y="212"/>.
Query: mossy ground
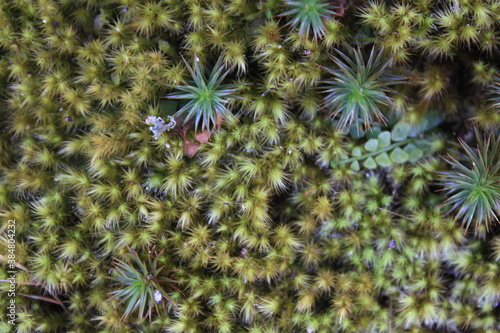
<point x="321" y="207"/>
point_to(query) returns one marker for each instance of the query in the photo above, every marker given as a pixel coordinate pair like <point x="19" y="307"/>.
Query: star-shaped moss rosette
<point x="144" y="285"/>
<point x="207" y="97"/>
<point x="308" y="16"/>
<point x="474" y="190"/>
<point x="359" y="87"/>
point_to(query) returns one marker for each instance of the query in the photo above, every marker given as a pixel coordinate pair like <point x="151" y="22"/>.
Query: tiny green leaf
<point x="400" y="131"/>
<point x="371" y="145"/>
<point x="384" y="139"/>
<point x="355" y="165"/>
<point x="414" y="153"/>
<point x="383" y="160"/>
<point x="356" y="152"/>
<point x="399" y="156"/>
<point x="370" y="163"/>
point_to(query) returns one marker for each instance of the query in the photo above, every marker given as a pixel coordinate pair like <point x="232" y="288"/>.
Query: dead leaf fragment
<point x="203" y="137"/>
<point x="190" y="148"/>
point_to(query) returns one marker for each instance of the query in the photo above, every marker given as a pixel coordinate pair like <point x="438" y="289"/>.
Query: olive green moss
<point x="251" y="166"/>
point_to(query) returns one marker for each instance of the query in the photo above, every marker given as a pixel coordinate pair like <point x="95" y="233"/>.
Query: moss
<point x="277" y="214"/>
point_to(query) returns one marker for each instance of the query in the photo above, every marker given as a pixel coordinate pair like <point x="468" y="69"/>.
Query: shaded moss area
<point x="249" y="166"/>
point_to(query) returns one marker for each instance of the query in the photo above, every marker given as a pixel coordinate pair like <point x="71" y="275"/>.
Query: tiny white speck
<point x="157" y="296"/>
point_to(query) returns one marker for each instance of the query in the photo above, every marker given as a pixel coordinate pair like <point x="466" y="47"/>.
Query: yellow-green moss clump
<point x="249" y="166"/>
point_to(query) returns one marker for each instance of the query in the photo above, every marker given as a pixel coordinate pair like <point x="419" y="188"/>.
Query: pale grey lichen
<point x="159" y="126"/>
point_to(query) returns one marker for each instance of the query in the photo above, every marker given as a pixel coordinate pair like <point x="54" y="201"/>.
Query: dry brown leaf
<point x="190" y="148"/>
<point x="203" y="137"/>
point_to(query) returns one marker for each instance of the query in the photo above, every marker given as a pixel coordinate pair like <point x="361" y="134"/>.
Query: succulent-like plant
<point x="475" y="189"/>
<point x="308" y="16"/>
<point x="208" y="97"/>
<point x="359" y="87"/>
<point x="144" y="285"/>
